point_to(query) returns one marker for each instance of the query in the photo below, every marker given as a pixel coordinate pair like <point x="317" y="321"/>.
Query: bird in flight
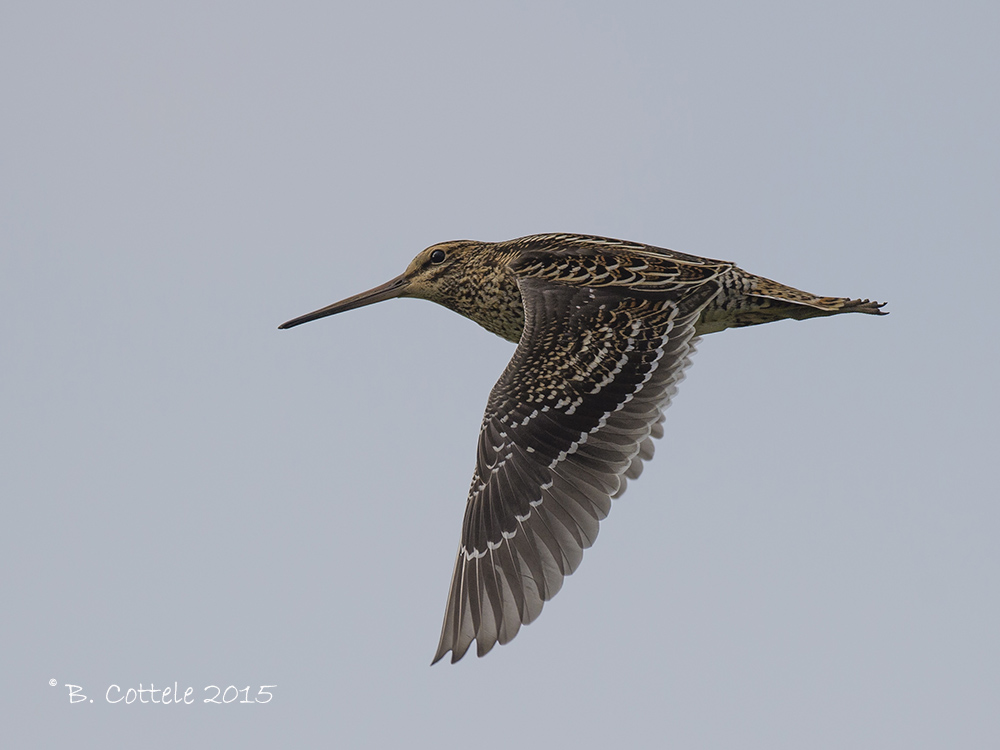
<point x="604" y="331"/>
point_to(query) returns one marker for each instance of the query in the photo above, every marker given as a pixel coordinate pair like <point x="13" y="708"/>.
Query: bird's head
<point x="447" y="273"/>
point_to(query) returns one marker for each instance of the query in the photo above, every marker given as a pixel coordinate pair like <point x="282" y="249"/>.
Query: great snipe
<point x="605" y="329"/>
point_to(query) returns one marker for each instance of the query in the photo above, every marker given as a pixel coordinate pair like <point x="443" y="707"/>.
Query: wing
<point x="571" y="417"/>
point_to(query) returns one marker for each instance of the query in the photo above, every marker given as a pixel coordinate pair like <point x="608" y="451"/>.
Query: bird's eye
<point x="437" y="256"/>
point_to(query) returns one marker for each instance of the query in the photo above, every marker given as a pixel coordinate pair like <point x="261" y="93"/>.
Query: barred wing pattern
<point x="572" y="416"/>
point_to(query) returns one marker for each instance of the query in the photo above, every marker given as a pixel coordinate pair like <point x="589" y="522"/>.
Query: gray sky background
<point x="191" y="495"/>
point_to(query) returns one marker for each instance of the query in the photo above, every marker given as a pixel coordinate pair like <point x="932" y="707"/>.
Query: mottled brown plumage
<point x="605" y="330"/>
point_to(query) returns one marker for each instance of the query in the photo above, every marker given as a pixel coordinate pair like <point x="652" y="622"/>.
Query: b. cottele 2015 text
<point x="167" y="695"/>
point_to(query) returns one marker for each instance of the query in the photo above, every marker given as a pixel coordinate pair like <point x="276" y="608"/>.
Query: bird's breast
<point x="493" y="301"/>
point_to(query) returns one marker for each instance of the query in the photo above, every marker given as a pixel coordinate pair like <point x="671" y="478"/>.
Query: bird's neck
<point x="488" y="294"/>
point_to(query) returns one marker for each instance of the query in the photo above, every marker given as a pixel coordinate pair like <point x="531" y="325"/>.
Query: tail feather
<point x="772" y="290"/>
<point x="748" y="300"/>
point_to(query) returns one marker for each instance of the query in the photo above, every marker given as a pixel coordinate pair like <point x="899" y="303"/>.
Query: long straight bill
<point x="389" y="290"/>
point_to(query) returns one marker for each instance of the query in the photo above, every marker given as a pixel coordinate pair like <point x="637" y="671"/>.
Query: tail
<point x="801" y="305"/>
<point x="748" y="300"/>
